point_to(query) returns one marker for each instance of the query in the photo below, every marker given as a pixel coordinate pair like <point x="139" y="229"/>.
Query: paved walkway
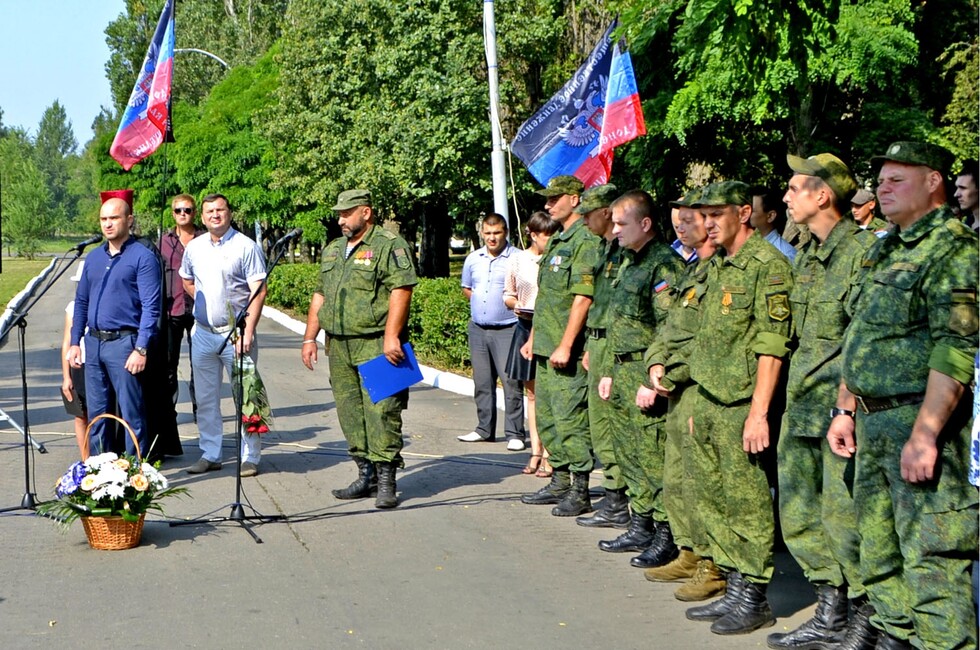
<point x="460" y="564"/>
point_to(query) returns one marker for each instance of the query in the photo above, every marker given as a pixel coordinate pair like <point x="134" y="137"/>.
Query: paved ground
<point x="461" y="564"/>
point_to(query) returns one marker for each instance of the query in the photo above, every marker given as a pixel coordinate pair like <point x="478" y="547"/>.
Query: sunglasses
<point x="183" y="210"/>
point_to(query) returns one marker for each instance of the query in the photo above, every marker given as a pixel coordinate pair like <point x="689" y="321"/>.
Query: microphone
<point x="291" y="235"/>
<point x="94" y="239"/>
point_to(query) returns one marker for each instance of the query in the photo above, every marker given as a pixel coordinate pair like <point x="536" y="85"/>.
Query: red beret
<point x="125" y="195"/>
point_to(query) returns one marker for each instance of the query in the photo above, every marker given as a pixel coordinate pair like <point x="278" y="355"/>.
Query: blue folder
<point x="381" y="379"/>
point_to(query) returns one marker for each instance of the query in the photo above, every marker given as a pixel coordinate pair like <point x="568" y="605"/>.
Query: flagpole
<point x="497" y="153"/>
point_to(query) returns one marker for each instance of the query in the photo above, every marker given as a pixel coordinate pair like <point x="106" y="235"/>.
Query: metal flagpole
<point x="497" y="157"/>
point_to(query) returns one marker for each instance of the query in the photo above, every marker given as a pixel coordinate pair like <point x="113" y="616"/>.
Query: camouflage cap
<point x="861" y="197"/>
<point x="688" y="200"/>
<point x="724" y="193"/>
<point x="596" y="197"/>
<point x="917" y="153"/>
<point x="563" y="185"/>
<point x="830" y="169"/>
<point x="352" y="198"/>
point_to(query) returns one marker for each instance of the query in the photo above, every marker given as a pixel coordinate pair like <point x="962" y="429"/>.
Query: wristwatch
<point x="834" y="412"/>
<point x="140" y="351"/>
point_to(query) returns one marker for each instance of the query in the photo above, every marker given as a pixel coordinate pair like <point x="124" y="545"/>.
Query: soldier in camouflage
<point x="907" y="366"/>
<point x="815" y="505"/>
<point x="557" y="341"/>
<point x="362" y="304"/>
<point x="736" y="359"/>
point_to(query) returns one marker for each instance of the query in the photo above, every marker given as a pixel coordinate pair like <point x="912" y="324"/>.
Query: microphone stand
<point x="237" y="513"/>
<point x="29" y="501"/>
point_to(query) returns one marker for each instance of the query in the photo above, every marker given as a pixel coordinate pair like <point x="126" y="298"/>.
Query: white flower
<point x="97" y="461"/>
<point x="157" y="480"/>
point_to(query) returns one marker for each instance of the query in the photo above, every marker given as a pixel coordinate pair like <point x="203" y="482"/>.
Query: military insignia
<point x="778" y="304"/>
<point x="689" y="296"/>
<point x="775" y="279"/>
<point x="402" y="259"/>
<point x="904" y="266"/>
<point x="554" y="262"/>
<point x="663" y="300"/>
<point x="587" y="280"/>
<point x="609" y="268"/>
<point x="726" y="303"/>
<point x="660" y="286"/>
<point x="963" y="319"/>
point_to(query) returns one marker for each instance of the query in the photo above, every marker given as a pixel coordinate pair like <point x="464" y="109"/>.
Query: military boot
<point x="615" y="512"/>
<point x="682" y="567"/>
<point x="707" y="582"/>
<point x="716" y="609"/>
<point x="888" y="642"/>
<point x="859" y="633"/>
<point x="576" y="501"/>
<point x="365" y="485"/>
<point x="386" y="486"/>
<point x="662" y="551"/>
<point x="636" y="538"/>
<point x="751" y="611"/>
<point x="822" y="631"/>
<point x="553" y="492"/>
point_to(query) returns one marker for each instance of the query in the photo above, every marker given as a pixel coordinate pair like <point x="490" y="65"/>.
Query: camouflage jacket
<point x="609" y="258"/>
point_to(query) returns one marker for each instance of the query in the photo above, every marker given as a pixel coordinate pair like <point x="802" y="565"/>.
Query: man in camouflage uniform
<point x="670" y="378"/>
<point x="637" y="307"/>
<point x="565" y="290"/>
<point x="907" y="365"/>
<point x="815" y="505"/>
<point x="863" y="211"/>
<point x="596" y="213"/>
<point x="362" y="304"/>
<point x="736" y="359"/>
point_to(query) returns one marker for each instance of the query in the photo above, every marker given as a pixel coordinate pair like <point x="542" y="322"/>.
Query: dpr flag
<point x="597" y="110"/>
<point x="146" y="120"/>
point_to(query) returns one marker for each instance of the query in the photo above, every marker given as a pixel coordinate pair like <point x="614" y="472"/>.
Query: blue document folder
<point x="381" y="379"/>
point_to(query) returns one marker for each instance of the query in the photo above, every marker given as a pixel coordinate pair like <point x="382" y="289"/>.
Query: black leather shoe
<point x="823" y="630"/>
<point x="386" y="487"/>
<point x="859" y="633"/>
<point x="750" y="611"/>
<point x="365" y="485"/>
<point x="615" y="512"/>
<point x="576" y="501"/>
<point x="716" y="609"/>
<point x="662" y="551"/>
<point x="636" y="538"/>
<point x="553" y="492"/>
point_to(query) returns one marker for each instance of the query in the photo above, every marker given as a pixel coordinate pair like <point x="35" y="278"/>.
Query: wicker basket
<point x="113" y="533"/>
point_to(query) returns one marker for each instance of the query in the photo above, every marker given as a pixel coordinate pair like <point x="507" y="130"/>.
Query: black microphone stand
<point x="29" y="501"/>
<point x="237" y="513"/>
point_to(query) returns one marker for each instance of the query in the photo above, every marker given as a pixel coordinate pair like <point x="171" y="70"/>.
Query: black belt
<point x="595" y="332"/>
<point x="875" y="404"/>
<point x="494" y="327"/>
<point x="626" y="357"/>
<point x="110" y="335"/>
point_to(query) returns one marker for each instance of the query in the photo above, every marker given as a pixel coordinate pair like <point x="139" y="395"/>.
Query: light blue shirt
<point x="781" y="245"/>
<point x="679" y="249"/>
<point x="484" y="276"/>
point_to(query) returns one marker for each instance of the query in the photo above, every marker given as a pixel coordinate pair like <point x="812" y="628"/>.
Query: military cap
<point x="352" y="198"/>
<point x="688" y="200"/>
<point x="563" y="185"/>
<point x="724" y="193"/>
<point x="861" y="197"/>
<point x="828" y="168"/>
<point x="917" y="153"/>
<point x="596" y="197"/>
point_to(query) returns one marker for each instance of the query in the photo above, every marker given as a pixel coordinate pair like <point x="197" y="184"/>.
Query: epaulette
<point x="387" y="234"/>
<point x="959" y="229"/>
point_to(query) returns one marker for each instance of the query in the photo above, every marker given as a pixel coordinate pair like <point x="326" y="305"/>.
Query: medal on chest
<point x="555" y="262"/>
<point x="363" y="257"/>
<point x="726" y="303"/>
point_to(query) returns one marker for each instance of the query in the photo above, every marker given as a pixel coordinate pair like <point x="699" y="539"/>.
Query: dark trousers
<point x="176" y="327"/>
<point x="110" y="388"/>
<point x="489" y="347"/>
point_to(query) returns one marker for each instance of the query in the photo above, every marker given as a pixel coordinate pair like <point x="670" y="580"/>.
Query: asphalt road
<point x="460" y="564"/>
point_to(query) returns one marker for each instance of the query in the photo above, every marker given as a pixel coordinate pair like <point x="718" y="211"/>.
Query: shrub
<point x="291" y="285"/>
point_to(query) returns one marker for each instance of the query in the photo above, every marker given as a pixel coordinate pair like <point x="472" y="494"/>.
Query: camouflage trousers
<point x="917" y="540"/>
<point x="679" y="477"/>
<point x="601" y="416"/>
<point x="732" y="493"/>
<point x="563" y="414"/>
<point x="373" y="431"/>
<point x="638" y="440"/>
<point x="816" y="510"/>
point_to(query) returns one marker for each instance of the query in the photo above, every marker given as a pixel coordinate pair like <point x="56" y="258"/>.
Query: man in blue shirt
<point x="769" y="219"/>
<point x="491" y="330"/>
<point x="118" y="299"/>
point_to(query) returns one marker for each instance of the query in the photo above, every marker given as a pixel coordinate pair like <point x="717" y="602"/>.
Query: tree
<point x="25" y="200"/>
<point x="54" y="151"/>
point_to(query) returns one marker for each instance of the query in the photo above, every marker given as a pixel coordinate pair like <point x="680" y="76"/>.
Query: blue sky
<point x="55" y="50"/>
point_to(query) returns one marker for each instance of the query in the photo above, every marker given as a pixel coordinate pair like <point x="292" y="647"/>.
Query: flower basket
<point x="113" y="533"/>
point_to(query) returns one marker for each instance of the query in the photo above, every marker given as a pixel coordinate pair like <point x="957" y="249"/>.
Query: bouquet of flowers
<point x="256" y="412"/>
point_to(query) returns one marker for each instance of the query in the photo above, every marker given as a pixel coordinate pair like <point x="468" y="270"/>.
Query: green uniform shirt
<point x="744" y="314"/>
<point x="610" y="255"/>
<point x="565" y="271"/>
<point x="877" y="225"/>
<point x="671" y="346"/>
<point x="356" y="289"/>
<point x="822" y="280"/>
<point x="641" y="296"/>
<point x="914" y="309"/>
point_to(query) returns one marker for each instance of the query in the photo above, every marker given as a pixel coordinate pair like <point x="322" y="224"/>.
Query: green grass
<point x="17" y="272"/>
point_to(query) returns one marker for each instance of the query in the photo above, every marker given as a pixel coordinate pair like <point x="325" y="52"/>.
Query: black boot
<point x="716" y="609"/>
<point x="577" y="500"/>
<point x="662" y="551"/>
<point x="365" y="485"/>
<point x="553" y="492"/>
<point x="859" y="633"/>
<point x="636" y="538"/>
<point x="888" y="642"/>
<point x="615" y="512"/>
<point x="386" y="486"/>
<point x="823" y="630"/>
<point x="751" y="611"/>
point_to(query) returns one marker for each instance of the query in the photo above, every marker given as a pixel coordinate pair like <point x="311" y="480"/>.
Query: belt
<point x="224" y="329"/>
<point x="875" y="404"/>
<point x="494" y="327"/>
<point x="626" y="357"/>
<point x="595" y="332"/>
<point x="111" y="335"/>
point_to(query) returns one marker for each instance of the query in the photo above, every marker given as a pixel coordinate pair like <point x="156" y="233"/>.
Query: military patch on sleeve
<point x="587" y="279"/>
<point x="963" y="314"/>
<point x="402" y="259"/>
<point x="664" y="300"/>
<point x="778" y="306"/>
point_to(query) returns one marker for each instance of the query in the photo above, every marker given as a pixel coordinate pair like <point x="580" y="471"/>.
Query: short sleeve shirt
<point x="484" y="275"/>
